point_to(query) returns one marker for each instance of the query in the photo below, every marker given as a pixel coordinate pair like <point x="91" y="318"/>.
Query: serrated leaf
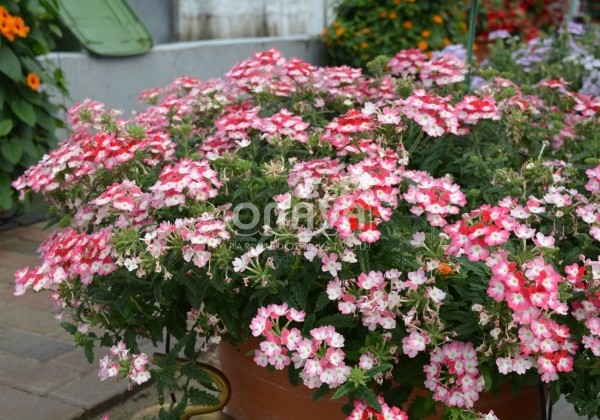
<point x="337" y="320"/>
<point x="89" y="351"/>
<point x="322" y="301"/>
<point x="343" y="390"/>
<point x="12" y="150"/>
<point x="10" y="64"/>
<point x="378" y="369"/>
<point x="70" y="328"/>
<point x="5" y="127"/>
<point x="369" y="397"/>
<point x="201" y="397"/>
<point x="321" y="392"/>
<point x="24" y="111"/>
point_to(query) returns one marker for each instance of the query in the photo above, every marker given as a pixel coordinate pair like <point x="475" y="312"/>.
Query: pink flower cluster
<point x="362" y="411"/>
<point x="547" y="342"/>
<point x="407" y="62"/>
<point x="200" y="235"/>
<point x="342" y="130"/>
<point x="375" y="295"/>
<point x="68" y="255"/>
<point x="186" y="178"/>
<point x="452" y="374"/>
<point x="120" y="363"/>
<point x="320" y="356"/>
<point x="433" y="113"/>
<point x="307" y="176"/>
<point x="125" y="199"/>
<point x="437" y="198"/>
<point x="444" y="70"/>
<point x="207" y="325"/>
<point x="471" y="109"/>
<point x="359" y="211"/>
<point x="283" y="123"/>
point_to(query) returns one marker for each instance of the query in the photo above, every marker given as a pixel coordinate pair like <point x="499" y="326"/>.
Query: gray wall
<point x="157" y="16"/>
<point x="117" y="82"/>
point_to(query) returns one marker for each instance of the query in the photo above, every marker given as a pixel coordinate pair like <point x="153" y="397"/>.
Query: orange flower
<point x="19" y="27"/>
<point x="447" y="42"/>
<point x="445" y="269"/>
<point x="393" y="15"/>
<point x="397" y="1"/>
<point x="423" y="45"/>
<point x="426" y="33"/>
<point x="340" y="31"/>
<point x="335" y="24"/>
<point x="438" y="19"/>
<point x="407" y="24"/>
<point x="33" y="81"/>
<point x="364" y="44"/>
<point x="6" y="27"/>
<point x="383" y="14"/>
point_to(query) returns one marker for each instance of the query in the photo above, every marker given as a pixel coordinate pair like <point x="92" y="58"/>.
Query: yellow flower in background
<point x="397" y="1"/>
<point x="340" y="31"/>
<point x="364" y="44"/>
<point x="438" y="19"/>
<point x="407" y="24"/>
<point x="393" y="15"/>
<point x="426" y="33"/>
<point x="33" y="81"/>
<point x="423" y="45"/>
<point x="383" y="14"/>
<point x="335" y="24"/>
<point x="447" y="42"/>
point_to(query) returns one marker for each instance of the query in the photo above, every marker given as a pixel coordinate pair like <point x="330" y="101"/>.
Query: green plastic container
<point x="105" y="27"/>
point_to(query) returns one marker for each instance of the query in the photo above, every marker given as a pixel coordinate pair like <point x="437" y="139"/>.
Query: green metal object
<point x="105" y="27"/>
<point x="471" y="40"/>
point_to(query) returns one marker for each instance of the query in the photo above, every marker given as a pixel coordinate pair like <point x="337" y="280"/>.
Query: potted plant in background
<point x="362" y="30"/>
<point x="372" y="235"/>
<point x="28" y="118"/>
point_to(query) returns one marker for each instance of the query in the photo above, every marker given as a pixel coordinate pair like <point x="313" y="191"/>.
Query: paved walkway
<point x="42" y="374"/>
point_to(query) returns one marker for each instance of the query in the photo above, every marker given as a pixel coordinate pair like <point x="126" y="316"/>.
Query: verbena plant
<point x="375" y="234"/>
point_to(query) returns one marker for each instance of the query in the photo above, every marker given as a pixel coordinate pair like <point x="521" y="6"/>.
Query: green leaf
<point x="12" y="150"/>
<point x="369" y="397"/>
<point x="89" y="351"/>
<point x="24" y="111"/>
<point x="56" y="30"/>
<point x="343" y="390"/>
<point x="6" y="199"/>
<point x="70" y="328"/>
<point x="10" y="64"/>
<point x="5" y="127"/>
<point x="202" y="398"/>
<point x="2" y="95"/>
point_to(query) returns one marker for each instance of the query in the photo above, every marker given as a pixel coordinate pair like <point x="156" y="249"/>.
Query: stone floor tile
<point x="89" y="393"/>
<point x="23" y="246"/>
<point x="33" y="376"/>
<point x="20" y="405"/>
<point x="40" y="301"/>
<point x="34" y="346"/>
<point x="75" y="359"/>
<point x="17" y="259"/>
<point x="29" y="233"/>
<point x="29" y="319"/>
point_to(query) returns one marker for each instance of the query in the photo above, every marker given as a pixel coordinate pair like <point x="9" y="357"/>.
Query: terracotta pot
<point x="257" y="393"/>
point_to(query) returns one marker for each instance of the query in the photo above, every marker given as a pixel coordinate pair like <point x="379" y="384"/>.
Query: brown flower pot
<point x="257" y="393"/>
